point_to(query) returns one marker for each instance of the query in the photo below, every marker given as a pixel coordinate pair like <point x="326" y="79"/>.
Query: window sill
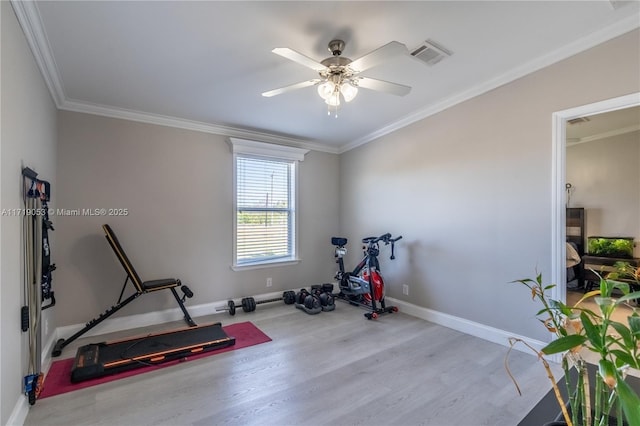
<point x="272" y="264"/>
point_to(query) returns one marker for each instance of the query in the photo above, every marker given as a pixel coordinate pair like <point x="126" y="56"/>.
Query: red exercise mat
<point x="58" y="379"/>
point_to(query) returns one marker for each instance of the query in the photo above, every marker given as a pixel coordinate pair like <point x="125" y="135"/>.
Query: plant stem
<point x="585" y="389"/>
<point x="556" y="390"/>
<point x="599" y="386"/>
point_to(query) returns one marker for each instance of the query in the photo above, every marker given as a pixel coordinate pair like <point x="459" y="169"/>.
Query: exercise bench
<point x="140" y="287"/>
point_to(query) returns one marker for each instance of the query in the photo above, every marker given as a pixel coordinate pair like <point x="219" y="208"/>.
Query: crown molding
<point x="31" y="23"/>
<point x="615" y="30"/>
<point x="29" y="18"/>
<point x="198" y="126"/>
<point x="603" y="135"/>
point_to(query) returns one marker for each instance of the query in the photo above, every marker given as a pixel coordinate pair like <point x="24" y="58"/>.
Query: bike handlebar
<point x="386" y="238"/>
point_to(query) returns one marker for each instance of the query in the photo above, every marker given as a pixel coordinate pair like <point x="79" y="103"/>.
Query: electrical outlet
<point x="269" y="282"/>
<point x="405" y="289"/>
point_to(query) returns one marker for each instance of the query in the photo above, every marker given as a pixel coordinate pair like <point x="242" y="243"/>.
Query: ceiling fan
<point x="340" y="76"/>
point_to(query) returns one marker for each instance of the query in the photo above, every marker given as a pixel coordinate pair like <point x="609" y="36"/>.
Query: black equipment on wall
<point x="37" y="271"/>
<point x="47" y="266"/>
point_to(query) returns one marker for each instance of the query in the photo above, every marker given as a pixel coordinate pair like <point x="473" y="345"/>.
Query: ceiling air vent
<point x="430" y="52"/>
<point x="578" y="120"/>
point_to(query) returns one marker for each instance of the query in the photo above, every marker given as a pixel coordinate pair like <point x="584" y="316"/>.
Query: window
<point x="265" y="181"/>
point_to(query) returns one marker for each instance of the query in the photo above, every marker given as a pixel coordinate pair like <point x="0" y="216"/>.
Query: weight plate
<point x="252" y="304"/>
<point x="246" y="304"/>
<point x="302" y="294"/>
<point x="326" y="299"/>
<point x="232" y="307"/>
<point x="289" y="297"/>
<point x="312" y="302"/>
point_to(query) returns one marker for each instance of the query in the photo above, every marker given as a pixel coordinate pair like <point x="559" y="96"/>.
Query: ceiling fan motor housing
<point x="336" y="47"/>
<point x="337" y="66"/>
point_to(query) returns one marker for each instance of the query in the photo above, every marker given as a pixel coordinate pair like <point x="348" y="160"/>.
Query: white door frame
<point x="558" y="182"/>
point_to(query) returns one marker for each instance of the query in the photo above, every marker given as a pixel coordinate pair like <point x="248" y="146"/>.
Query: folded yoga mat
<point x="58" y="379"/>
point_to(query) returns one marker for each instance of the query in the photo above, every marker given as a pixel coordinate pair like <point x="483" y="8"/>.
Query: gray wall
<point x="470" y="189"/>
<point x="606" y="182"/>
<point x="177" y="187"/>
<point x="28" y="138"/>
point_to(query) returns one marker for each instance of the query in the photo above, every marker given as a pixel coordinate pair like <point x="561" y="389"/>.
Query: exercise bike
<point x="364" y="285"/>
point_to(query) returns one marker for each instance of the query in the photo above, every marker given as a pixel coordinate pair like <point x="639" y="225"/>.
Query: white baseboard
<point x="45" y="355"/>
<point x="21" y="409"/>
<point x="19" y="413"/>
<point x="466" y="326"/>
<point x="112" y="325"/>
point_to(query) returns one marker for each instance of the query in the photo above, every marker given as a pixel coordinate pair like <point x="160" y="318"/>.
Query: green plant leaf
<point x="588" y="295"/>
<point x="625" y="358"/>
<point x="605" y="288"/>
<point x="634" y="325"/>
<point x="525" y="281"/>
<point x="564" y="309"/>
<point x="622" y="286"/>
<point x="629" y="401"/>
<point x="592" y="332"/>
<point x="564" y="343"/>
<point x="542" y="311"/>
<point x="608" y="373"/>
<point x="629" y="296"/>
<point x="624" y="332"/>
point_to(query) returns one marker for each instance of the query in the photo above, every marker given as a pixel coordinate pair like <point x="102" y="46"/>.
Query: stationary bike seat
<point x="338" y="241"/>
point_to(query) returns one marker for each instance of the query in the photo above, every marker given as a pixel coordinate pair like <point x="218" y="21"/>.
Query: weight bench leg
<point x="187" y="317"/>
<point x="61" y="343"/>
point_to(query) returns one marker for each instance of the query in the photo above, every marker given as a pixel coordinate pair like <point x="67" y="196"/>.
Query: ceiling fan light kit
<point x="339" y="79"/>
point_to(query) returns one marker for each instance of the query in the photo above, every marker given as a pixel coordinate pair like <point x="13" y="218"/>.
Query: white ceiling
<point x="604" y="125"/>
<point x="203" y="65"/>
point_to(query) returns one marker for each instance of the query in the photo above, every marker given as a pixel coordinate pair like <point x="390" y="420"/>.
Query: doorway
<point x="559" y="199"/>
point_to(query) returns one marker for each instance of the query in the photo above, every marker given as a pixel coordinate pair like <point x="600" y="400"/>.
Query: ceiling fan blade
<point x="291" y="87"/>
<point x="378" y="56"/>
<point x="382" y="86"/>
<point x="301" y="59"/>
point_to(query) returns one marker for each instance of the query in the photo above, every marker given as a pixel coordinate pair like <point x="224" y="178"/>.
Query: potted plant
<point x="616" y="345"/>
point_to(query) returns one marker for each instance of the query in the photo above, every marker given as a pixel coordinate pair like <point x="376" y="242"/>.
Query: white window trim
<point x="265" y="150"/>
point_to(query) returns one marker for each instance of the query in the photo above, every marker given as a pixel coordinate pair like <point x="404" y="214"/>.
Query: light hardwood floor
<point x="333" y="368"/>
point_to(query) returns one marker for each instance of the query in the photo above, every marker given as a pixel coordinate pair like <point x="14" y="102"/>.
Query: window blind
<point x="264" y="209"/>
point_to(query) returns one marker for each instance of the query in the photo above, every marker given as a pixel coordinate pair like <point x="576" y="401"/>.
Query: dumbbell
<point x="320" y="296"/>
<point x="301" y="295"/>
<point x="308" y="300"/>
<point x="249" y="303"/>
<point x="325" y="295"/>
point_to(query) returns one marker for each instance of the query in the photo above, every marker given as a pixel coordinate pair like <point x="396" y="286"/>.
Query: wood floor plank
<point x="333" y="368"/>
